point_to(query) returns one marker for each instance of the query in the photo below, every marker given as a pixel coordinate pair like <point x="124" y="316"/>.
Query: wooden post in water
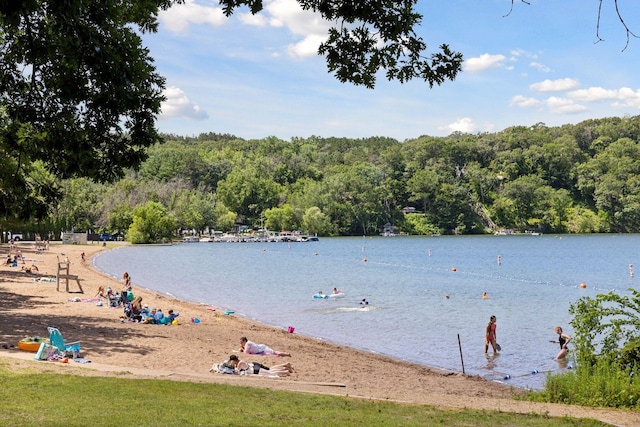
<point x="460" y="348"/>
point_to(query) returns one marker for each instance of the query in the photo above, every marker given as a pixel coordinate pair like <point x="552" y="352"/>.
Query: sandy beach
<point x="185" y="352"/>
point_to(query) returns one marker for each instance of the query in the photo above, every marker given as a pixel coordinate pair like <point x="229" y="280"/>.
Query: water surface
<point x="405" y="279"/>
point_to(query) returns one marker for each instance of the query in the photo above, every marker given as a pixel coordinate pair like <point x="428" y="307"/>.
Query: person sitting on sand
<point x="249" y="347"/>
<point x="9" y="260"/>
<point x="145" y="313"/>
<point x="158" y="316"/>
<point x="171" y="316"/>
<point x="133" y="309"/>
<point x="113" y="298"/>
<point x="151" y="317"/>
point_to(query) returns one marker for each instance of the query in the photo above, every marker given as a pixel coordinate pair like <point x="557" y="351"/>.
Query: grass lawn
<point x="48" y="399"/>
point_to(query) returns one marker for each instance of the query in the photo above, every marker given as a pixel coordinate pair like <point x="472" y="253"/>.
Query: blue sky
<point x="259" y="76"/>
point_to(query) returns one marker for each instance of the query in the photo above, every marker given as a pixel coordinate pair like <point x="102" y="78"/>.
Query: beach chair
<point x="68" y="348"/>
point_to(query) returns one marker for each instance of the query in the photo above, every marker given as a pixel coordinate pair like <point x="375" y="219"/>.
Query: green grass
<point x="39" y="399"/>
<point x="602" y="385"/>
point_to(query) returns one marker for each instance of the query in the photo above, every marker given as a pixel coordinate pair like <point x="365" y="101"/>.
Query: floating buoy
<point x="535" y="371"/>
<point x="583" y="285"/>
<point x="453" y="269"/>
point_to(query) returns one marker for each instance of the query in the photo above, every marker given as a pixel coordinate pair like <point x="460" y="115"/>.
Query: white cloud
<point x="178" y="17"/>
<point x="178" y="104"/>
<point x="464" y="125"/>
<point x="517" y="53"/>
<point x="308" y="25"/>
<point x="540" y="67"/>
<point x="559" y="85"/>
<point x="563" y="105"/>
<point x="257" y="20"/>
<point x="624" y="97"/>
<point x="306" y="47"/>
<point x="631" y="98"/>
<point x="523" y="102"/>
<point x="484" y="62"/>
<point x="594" y="94"/>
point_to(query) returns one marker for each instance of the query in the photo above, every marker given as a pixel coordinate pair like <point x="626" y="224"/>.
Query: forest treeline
<point x="581" y="178"/>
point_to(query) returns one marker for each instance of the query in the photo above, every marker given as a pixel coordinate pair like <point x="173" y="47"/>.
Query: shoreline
<point x="186" y="352"/>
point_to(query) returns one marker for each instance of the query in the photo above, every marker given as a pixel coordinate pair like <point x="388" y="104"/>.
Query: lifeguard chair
<point x="63" y="273"/>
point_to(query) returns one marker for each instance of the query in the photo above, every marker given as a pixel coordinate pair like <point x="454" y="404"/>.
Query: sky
<point x="256" y="76"/>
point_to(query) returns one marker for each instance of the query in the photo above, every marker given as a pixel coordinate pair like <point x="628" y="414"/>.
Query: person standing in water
<point x="490" y="335"/>
<point x="563" y="340"/>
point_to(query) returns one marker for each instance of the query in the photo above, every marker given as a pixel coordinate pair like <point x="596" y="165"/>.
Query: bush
<point x="603" y="384"/>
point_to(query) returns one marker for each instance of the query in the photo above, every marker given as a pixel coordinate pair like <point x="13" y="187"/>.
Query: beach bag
<point x="44" y="351"/>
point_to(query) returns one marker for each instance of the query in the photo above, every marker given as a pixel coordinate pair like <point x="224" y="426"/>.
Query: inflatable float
<point x="31" y="344"/>
<point x="320" y="296"/>
<point x="338" y="295"/>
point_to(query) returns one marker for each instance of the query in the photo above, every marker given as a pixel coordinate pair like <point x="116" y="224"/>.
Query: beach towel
<point x="221" y="369"/>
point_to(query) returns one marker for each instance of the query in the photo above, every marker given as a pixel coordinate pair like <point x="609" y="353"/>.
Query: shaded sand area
<point x="185" y="352"/>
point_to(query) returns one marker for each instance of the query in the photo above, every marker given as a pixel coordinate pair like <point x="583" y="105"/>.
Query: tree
<point x="628" y="31"/>
<point x="606" y="325"/>
<point x="78" y="91"/>
<point x="315" y="222"/>
<point x="423" y="186"/>
<point x="523" y="192"/>
<point x="151" y="224"/>
<point x="281" y="218"/>
<point x="372" y="36"/>
<point x="81" y="205"/>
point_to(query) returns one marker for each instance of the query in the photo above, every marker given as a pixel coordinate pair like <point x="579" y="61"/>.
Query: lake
<point x="405" y="279"/>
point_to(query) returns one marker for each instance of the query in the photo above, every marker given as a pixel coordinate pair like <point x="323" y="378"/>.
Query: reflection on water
<point x="406" y="280"/>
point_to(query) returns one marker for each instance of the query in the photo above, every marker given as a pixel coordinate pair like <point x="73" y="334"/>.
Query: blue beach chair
<point x="69" y="349"/>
